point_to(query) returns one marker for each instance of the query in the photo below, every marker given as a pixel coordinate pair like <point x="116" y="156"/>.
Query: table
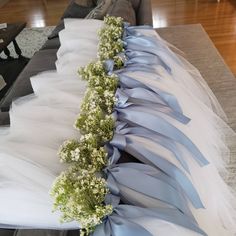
<point x="11" y="67"/>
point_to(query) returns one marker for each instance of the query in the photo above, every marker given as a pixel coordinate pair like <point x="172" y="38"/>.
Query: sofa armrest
<point x="144" y="14"/>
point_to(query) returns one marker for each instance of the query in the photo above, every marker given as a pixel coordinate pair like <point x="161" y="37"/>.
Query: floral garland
<point x="80" y="191"/>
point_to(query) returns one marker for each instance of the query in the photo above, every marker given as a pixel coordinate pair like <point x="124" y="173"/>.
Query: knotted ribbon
<point x="147" y="152"/>
<point x="152" y="117"/>
<point x="124" y="220"/>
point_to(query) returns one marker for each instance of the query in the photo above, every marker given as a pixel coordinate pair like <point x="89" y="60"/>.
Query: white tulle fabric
<point x="39" y="124"/>
<point x="208" y="132"/>
<point x="42" y="121"/>
<point x="78" y="47"/>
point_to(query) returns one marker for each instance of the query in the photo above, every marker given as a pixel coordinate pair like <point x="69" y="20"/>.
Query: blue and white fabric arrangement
<point x="139" y="100"/>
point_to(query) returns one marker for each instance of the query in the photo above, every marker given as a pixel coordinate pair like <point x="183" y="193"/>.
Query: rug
<point x="201" y="52"/>
<point x="30" y="40"/>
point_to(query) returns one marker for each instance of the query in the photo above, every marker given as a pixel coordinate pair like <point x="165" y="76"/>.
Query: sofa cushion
<point x="135" y="4"/>
<point x="42" y="61"/>
<point x="10" y="71"/>
<point x="7" y="232"/>
<point x="124" y="9"/>
<point x="5" y="120"/>
<point x="40" y="232"/>
<point x="74" y="10"/>
<point x="52" y="44"/>
<point x="144" y="13"/>
<point x="100" y="10"/>
<point x="60" y="26"/>
<point x="85" y="3"/>
<point x="45" y="232"/>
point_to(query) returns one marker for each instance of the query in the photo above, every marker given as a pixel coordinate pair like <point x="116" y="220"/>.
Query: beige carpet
<point x="201" y="52"/>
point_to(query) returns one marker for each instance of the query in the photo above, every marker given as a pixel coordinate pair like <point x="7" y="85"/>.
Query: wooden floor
<point x="37" y="13"/>
<point x="218" y="19"/>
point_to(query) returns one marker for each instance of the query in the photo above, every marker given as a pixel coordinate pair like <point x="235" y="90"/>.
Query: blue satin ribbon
<point x="149" y="44"/>
<point x="152" y="120"/>
<point x="170" y="215"/>
<point x="144" y="43"/>
<point x="130" y="67"/>
<point x="140" y="105"/>
<point x="122" y="221"/>
<point x="130" y="82"/>
<point x="115" y="225"/>
<point x="143" y="94"/>
<point x="133" y="30"/>
<point x="125" y="141"/>
<point x="159" y="139"/>
<point x="160" y="186"/>
<point x="143" y="58"/>
<point x="139" y="61"/>
<point x="167" y="181"/>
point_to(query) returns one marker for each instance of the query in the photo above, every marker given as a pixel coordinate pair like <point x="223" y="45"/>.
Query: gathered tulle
<point x="40" y="122"/>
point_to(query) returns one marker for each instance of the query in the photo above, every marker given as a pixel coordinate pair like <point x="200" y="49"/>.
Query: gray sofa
<point x="44" y="60"/>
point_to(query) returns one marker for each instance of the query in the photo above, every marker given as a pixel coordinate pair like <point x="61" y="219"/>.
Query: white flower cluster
<point x="69" y="151"/>
<point x="79" y="193"/>
<point x="111" y="43"/>
<point x="84" y="154"/>
<point x="99" y="97"/>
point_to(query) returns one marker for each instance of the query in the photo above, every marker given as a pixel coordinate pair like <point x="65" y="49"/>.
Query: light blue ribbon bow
<point x="140" y="58"/>
<point x="135" y="177"/>
<point x="169" y="99"/>
<point x="124" y="139"/>
<point x="139" y="103"/>
<point x="152" y="118"/>
<point x="133" y="30"/>
<point x="122" y="220"/>
<point x="149" y="44"/>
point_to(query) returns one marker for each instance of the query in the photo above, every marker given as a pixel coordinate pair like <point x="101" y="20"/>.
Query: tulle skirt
<point x="42" y="121"/>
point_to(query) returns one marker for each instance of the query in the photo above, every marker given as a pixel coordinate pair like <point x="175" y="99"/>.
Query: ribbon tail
<point x="160" y="125"/>
<point x="161" y="190"/>
<point x="147" y="156"/>
<point x="156" y="110"/>
<point x="162" y="140"/>
<point x="170" y="215"/>
<point x="169" y="99"/>
<point x="116" y="225"/>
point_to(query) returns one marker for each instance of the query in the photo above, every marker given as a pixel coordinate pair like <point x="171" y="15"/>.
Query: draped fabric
<point x="165" y="116"/>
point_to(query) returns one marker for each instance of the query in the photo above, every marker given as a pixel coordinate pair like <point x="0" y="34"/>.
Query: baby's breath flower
<point x="80" y="196"/>
<point x="85" y="154"/>
<point x="113" y="20"/>
<point x="105" y="99"/>
<point x="97" y="123"/>
<point x="78" y="192"/>
<point x="110" y="40"/>
<point x="92" y="69"/>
